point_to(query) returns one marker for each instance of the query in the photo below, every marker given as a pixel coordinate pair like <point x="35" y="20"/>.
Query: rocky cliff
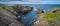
<point x="8" y="19"/>
<point x="9" y="14"/>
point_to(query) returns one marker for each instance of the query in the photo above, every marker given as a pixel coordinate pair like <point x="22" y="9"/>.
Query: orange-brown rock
<point x="40" y="11"/>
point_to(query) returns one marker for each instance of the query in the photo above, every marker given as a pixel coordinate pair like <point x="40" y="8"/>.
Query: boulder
<point x="39" y="11"/>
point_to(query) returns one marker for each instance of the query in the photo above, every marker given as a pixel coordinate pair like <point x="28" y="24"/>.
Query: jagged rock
<point x="40" y="11"/>
<point x="22" y="9"/>
<point x="41" y="21"/>
<point x="10" y="12"/>
<point x="8" y="19"/>
<point x="17" y="9"/>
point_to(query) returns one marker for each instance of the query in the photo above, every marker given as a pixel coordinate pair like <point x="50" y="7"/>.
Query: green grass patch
<point x="50" y="15"/>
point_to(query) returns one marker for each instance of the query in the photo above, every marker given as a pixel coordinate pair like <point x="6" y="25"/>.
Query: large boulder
<point x="8" y="19"/>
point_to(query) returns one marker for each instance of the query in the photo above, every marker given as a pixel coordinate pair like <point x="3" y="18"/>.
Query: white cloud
<point x="32" y="0"/>
<point x="41" y="2"/>
<point x="37" y="1"/>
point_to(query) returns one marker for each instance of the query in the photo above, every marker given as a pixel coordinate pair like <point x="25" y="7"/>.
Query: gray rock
<point x="22" y="9"/>
<point x="8" y="19"/>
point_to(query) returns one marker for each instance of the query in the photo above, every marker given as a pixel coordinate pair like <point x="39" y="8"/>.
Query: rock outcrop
<point x="18" y="9"/>
<point x="10" y="9"/>
<point x="22" y="9"/>
<point x="40" y="11"/>
<point x="55" y="10"/>
<point x="8" y="19"/>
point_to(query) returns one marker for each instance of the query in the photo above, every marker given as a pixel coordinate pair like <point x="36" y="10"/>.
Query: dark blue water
<point x="44" y="6"/>
<point x="29" y="18"/>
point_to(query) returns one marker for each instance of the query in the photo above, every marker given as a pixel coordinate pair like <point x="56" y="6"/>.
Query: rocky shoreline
<point x="10" y="16"/>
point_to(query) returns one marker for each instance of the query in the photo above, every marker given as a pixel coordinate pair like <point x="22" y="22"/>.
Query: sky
<point x="30" y="1"/>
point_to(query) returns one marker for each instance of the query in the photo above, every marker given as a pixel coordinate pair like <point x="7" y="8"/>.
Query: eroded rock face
<point x="8" y="19"/>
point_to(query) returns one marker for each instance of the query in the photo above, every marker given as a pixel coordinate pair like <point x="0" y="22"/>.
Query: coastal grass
<point x="52" y="18"/>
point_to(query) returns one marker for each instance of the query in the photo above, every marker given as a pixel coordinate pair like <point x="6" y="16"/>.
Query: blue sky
<point x="41" y="2"/>
<point x="30" y="1"/>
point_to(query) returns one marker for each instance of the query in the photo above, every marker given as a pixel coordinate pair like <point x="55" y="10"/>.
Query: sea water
<point x="30" y="17"/>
